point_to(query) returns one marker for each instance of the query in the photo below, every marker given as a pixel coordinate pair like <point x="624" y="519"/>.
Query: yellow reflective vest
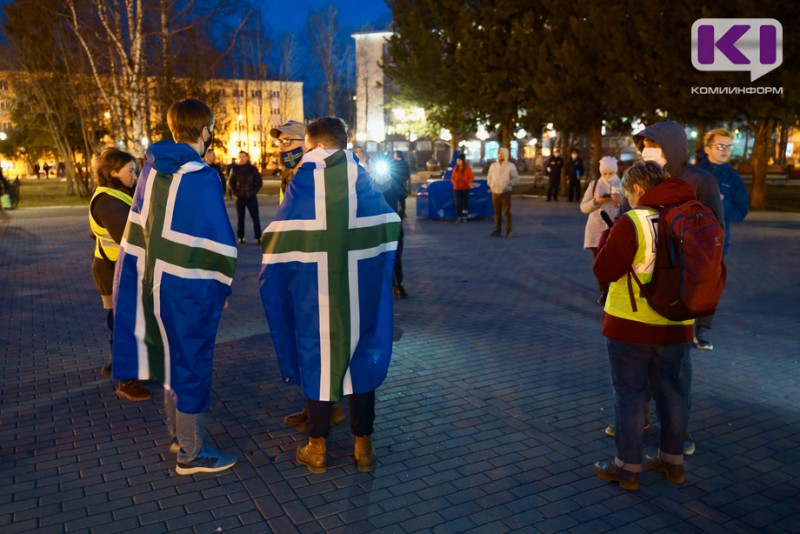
<point x="618" y="303"/>
<point x="105" y="246"/>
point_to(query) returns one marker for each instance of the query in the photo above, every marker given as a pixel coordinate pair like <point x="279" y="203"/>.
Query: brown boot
<point x="313" y="455"/>
<point x="365" y="454"/>
<point x="297" y="418"/>
<point x="133" y="390"/>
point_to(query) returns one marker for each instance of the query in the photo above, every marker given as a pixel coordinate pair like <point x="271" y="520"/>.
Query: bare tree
<point x="286" y="72"/>
<point x="323" y="29"/>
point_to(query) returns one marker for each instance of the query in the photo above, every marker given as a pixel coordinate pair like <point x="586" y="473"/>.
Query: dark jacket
<point x="245" y="181"/>
<point x="554" y="166"/>
<point x="672" y="139"/>
<point x="574" y="168"/>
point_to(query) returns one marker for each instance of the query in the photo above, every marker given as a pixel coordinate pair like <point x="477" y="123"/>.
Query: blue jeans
<point x="188" y="428"/>
<point x="636" y="368"/>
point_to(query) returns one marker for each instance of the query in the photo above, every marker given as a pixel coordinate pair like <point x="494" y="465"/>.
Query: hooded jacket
<point x="502" y="176"/>
<point x="672" y="139"/>
<point x="617" y="254"/>
<point x="175" y="267"/>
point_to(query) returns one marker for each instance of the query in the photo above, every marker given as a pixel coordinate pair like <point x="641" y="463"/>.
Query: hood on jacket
<point x="670" y="191"/>
<point x="672" y="139"/>
<point x="167" y="156"/>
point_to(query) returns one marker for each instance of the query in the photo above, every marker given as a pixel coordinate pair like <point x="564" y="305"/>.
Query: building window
<point x="255" y="94"/>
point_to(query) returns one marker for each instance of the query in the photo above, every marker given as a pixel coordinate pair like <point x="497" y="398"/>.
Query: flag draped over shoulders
<point x="326" y="278"/>
<point x="176" y="264"/>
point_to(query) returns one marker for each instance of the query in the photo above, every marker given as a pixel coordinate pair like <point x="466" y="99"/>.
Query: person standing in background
<point x="246" y="182"/>
<point x="462" y="179"/>
<point x="501" y="178"/>
<point x="574" y="174"/>
<point x="554" y="165"/>
<point x="211" y="159"/>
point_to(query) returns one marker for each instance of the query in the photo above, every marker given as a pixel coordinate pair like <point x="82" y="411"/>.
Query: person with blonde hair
<point x="115" y="173"/>
<point x="717" y="150"/>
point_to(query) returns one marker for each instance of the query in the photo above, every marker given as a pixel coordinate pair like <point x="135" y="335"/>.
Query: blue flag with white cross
<point x="176" y="264"/>
<point x="326" y="278"/>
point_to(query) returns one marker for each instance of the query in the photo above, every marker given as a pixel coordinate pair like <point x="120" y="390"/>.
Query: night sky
<point x="288" y="15"/>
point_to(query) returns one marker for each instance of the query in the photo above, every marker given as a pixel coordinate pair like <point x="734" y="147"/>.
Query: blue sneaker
<point x="208" y="461"/>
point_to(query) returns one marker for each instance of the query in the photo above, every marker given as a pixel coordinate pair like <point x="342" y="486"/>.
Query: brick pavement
<point x="489" y="421"/>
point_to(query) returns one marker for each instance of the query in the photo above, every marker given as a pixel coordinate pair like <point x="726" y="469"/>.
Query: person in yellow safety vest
<point x="115" y="173"/>
<point x="644" y="348"/>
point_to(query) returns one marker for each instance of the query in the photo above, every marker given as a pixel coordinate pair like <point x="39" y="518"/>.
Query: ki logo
<point x="754" y="45"/>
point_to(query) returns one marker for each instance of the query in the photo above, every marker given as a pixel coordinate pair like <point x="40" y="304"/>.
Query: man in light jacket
<point x="501" y="178"/>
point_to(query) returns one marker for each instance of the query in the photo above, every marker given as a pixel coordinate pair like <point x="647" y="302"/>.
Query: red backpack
<point x="689" y="273"/>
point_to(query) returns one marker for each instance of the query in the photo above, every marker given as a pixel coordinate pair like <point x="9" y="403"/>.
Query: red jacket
<point x="616" y="252"/>
<point x="462" y="178"/>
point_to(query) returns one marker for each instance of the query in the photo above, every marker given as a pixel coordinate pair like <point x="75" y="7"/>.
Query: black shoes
<point x="700" y="340"/>
<point x="496" y="233"/>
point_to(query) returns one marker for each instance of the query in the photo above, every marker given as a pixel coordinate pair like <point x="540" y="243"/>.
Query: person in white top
<point x="601" y="195"/>
<point x="501" y="178"/>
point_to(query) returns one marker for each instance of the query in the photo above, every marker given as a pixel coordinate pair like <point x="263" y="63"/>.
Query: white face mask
<point x="654" y="154"/>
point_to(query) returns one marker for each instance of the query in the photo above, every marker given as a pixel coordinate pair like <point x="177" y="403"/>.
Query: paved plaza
<point x="489" y="421"/>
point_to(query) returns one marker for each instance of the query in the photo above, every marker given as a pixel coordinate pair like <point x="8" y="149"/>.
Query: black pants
<point x="397" y="277"/>
<point x="552" y="187"/>
<point x="252" y="206"/>
<point x="574" y="190"/>
<point x="362" y="415"/>
<point x="462" y="202"/>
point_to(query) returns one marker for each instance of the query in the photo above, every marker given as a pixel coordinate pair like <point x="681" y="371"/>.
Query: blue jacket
<point x="735" y="200"/>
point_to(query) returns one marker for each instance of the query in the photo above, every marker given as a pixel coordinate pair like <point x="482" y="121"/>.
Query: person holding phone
<point x="601" y="195"/>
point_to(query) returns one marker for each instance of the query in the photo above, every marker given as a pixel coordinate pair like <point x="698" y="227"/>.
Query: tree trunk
<point x="565" y="156"/>
<point x="702" y="128"/>
<point x="595" y="152"/>
<point x="761" y="152"/>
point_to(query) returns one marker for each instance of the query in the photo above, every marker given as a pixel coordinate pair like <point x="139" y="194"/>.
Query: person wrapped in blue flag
<point x="327" y="291"/>
<point x="175" y="267"/>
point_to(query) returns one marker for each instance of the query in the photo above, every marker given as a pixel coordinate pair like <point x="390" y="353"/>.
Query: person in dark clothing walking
<point x="574" y="174"/>
<point x="245" y="182"/>
<point x="395" y="191"/>
<point x="554" y="166"/>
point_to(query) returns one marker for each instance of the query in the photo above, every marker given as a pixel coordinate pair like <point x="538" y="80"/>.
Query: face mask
<point x="207" y="144"/>
<point x="292" y="158"/>
<point x="654" y="154"/>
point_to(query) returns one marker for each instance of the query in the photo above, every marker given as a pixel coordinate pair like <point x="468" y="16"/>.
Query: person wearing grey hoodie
<point x="666" y="143"/>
